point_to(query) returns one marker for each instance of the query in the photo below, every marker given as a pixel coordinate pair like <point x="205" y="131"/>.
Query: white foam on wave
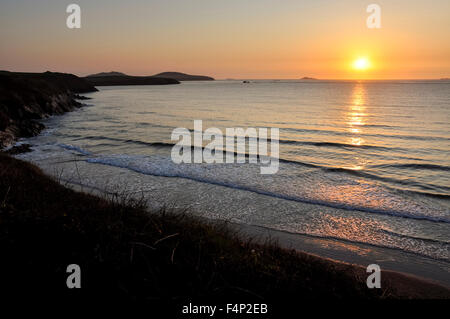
<point x="291" y="183"/>
<point x="75" y="149"/>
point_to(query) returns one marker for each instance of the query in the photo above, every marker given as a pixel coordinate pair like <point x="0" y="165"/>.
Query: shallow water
<point x="363" y="162"/>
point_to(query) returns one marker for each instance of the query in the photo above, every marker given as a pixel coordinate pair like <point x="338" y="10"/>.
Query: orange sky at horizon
<point x="233" y="39"/>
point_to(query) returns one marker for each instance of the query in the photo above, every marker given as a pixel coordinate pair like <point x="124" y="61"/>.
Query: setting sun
<point x="361" y="64"/>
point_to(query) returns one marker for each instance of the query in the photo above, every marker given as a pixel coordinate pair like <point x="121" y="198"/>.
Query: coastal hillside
<point x="126" y="253"/>
<point x="117" y="79"/>
<point x="112" y="73"/>
<point x="28" y="97"/>
<point x="184" y="77"/>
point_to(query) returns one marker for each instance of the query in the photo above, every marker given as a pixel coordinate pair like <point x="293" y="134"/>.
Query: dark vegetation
<point x="127" y="253"/>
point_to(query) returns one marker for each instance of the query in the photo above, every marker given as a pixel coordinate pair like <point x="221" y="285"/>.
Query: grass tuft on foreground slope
<point x="127" y="253"/>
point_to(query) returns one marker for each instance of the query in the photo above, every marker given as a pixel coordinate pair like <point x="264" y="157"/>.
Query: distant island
<point x="112" y="73"/>
<point x="117" y="78"/>
<point x="183" y="76"/>
<point x="307" y="78"/>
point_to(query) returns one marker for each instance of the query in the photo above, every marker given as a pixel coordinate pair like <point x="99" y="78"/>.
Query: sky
<point x="255" y="39"/>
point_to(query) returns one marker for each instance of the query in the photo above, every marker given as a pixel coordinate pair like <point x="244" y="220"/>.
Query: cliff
<point x="28" y="97"/>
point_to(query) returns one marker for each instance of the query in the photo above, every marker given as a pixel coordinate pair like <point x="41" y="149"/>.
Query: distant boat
<point x="245" y="81"/>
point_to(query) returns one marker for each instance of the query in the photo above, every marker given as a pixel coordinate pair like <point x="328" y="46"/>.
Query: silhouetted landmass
<point x="307" y="78"/>
<point x="112" y="80"/>
<point x="28" y="97"/>
<point x="129" y="253"/>
<point x="184" y="77"/>
<point x="112" y="73"/>
<point x="118" y="78"/>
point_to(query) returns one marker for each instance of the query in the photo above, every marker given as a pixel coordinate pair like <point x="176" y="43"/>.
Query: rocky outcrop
<point x="27" y="97"/>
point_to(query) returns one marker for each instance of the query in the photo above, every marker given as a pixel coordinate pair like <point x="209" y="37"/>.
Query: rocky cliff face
<point x="28" y="97"/>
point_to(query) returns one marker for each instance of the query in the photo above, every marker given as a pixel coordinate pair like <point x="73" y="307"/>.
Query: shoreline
<point x="345" y="253"/>
<point x="406" y="280"/>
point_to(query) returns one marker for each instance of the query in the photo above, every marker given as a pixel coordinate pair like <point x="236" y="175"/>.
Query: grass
<point x="128" y="253"/>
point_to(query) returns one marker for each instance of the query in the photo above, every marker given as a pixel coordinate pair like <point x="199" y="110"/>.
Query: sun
<point x="361" y="64"/>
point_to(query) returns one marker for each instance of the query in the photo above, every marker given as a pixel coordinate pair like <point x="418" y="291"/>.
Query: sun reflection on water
<point x="355" y="121"/>
<point x="356" y="115"/>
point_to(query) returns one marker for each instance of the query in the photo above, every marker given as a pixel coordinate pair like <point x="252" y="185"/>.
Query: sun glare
<point x="361" y="64"/>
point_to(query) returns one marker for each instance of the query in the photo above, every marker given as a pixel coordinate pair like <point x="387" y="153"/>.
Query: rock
<point x="81" y="97"/>
<point x="18" y="149"/>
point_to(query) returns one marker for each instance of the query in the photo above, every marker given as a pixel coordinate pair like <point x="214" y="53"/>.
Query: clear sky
<point x="228" y="38"/>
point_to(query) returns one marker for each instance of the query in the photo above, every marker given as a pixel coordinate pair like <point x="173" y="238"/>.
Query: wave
<point x="428" y="190"/>
<point x="347" y="134"/>
<point x="431" y="240"/>
<point x="257" y="139"/>
<point x="335" y="144"/>
<point x="123" y="161"/>
<point x="281" y="141"/>
<point x="114" y="139"/>
<point x="74" y="148"/>
<point x="365" y="174"/>
<point x="432" y="167"/>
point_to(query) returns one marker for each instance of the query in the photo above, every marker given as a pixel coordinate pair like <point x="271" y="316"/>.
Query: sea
<point x="361" y="163"/>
